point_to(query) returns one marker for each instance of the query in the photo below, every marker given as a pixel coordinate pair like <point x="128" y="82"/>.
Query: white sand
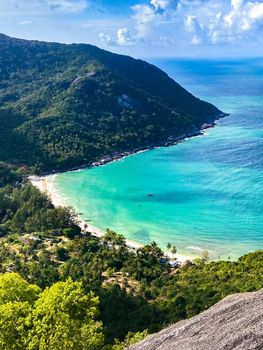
<point x="46" y="185"/>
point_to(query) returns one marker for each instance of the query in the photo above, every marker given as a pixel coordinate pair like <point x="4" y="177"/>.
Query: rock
<point x="125" y="101"/>
<point x="207" y="125"/>
<point x="235" y="323"/>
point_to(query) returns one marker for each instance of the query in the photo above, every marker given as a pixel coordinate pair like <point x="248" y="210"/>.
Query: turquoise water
<point x="207" y="192"/>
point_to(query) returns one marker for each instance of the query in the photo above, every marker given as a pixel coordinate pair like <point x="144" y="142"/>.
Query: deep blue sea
<point x="207" y="191"/>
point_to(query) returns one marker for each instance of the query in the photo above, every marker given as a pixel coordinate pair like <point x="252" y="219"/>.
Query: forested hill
<point x="67" y="105"/>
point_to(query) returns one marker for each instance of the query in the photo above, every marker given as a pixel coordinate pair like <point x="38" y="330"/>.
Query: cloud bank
<point x="192" y="22"/>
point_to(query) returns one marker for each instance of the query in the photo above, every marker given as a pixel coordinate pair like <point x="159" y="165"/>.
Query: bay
<point x="203" y="194"/>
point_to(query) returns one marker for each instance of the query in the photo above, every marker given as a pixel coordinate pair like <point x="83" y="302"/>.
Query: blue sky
<point x="142" y="28"/>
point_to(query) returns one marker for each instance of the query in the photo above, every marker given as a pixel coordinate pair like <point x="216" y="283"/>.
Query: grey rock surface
<point x="236" y="322"/>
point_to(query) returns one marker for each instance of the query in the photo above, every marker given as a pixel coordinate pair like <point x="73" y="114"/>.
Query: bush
<point x="3" y="230"/>
<point x="72" y="232"/>
<point x="62" y="253"/>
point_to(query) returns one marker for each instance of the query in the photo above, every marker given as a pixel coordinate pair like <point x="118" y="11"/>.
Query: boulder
<point x="235" y="323"/>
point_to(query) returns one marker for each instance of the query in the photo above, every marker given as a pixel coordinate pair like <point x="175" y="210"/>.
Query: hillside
<point x="68" y="105"/>
<point x="139" y="291"/>
<point x="235" y="323"/>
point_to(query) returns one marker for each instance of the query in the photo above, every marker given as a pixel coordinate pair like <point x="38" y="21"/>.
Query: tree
<point x="61" y="317"/>
<point x="13" y="325"/>
<point x="173" y="250"/>
<point x="169" y="246"/>
<point x="72" y="232"/>
<point x="131" y="338"/>
<point x="145" y="264"/>
<point x="64" y="318"/>
<point x="16" y="303"/>
<point x="13" y="288"/>
<point x="62" y="253"/>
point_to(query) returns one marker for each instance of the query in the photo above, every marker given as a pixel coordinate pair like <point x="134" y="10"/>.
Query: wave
<point x="195" y="248"/>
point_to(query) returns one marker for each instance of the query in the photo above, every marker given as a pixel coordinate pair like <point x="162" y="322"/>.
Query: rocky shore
<point x="172" y="140"/>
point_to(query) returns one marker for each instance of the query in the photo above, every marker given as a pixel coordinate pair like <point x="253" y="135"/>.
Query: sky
<point x="142" y="28"/>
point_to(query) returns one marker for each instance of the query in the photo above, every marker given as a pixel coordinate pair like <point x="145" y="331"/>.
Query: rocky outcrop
<point x="235" y="323"/>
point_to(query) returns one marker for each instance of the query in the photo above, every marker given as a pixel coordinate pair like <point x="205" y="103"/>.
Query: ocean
<point x="205" y="193"/>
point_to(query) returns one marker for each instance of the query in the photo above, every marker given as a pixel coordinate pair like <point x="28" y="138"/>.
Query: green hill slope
<point x="67" y="105"/>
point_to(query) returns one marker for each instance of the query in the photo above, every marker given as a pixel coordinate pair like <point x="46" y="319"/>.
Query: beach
<point x="46" y="185"/>
<point x="204" y="194"/>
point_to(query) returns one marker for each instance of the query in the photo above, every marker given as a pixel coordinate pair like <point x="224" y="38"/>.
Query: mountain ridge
<point x="66" y="105"/>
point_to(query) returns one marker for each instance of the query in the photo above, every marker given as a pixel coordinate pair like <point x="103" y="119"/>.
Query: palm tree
<point x="173" y="250"/>
<point x="169" y="246"/>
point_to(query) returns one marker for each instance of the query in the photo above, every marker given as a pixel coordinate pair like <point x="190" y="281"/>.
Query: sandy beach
<point x="46" y="185"/>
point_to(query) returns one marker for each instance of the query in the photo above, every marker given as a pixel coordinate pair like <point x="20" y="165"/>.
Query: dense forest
<point x="61" y="288"/>
<point x="63" y="106"/>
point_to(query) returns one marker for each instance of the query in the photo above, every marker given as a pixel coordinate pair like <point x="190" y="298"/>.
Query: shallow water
<point x="205" y="193"/>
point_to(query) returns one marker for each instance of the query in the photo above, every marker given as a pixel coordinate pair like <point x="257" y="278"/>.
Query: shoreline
<point x="115" y="156"/>
<point x="46" y="185"/>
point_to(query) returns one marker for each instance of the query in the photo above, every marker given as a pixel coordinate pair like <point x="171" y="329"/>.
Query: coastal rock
<point x="235" y="323"/>
<point x="207" y="125"/>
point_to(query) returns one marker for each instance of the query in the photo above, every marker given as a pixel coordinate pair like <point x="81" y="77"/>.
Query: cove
<point x="204" y="193"/>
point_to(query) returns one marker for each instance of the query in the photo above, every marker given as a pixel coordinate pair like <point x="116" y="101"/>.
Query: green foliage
<point x="137" y="289"/>
<point x="62" y="253"/>
<point x="132" y="338"/>
<point x="72" y="232"/>
<point x="25" y="209"/>
<point x="145" y="264"/>
<point x="66" y="105"/>
<point x="123" y="312"/>
<point x="194" y="288"/>
<point x="16" y="302"/>
<point x="13" y="325"/>
<point x="60" y="317"/>
<point x="63" y="318"/>
<point x="15" y="288"/>
<point x="8" y="175"/>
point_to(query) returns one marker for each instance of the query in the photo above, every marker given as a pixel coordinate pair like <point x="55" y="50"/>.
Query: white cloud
<point x="256" y="11"/>
<point x="163" y="5"/>
<point x="150" y="16"/>
<point x="144" y="13"/>
<point x="196" y="40"/>
<point x="24" y="23"/>
<point x="192" y="21"/>
<point x="236" y="4"/>
<point x="191" y="24"/>
<point x="106" y="39"/>
<point x="224" y="21"/>
<point x="123" y="38"/>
